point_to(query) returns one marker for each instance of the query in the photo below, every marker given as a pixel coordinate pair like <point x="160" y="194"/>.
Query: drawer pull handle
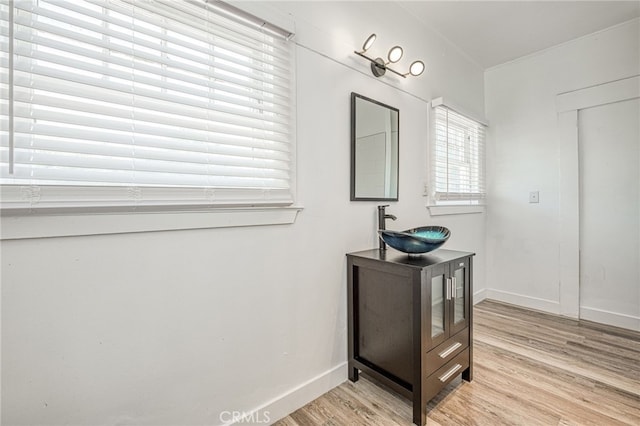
<point x="450" y="373"/>
<point x="451" y="349"/>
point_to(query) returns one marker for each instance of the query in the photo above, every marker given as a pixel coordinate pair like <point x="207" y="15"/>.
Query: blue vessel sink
<point x="416" y="240"/>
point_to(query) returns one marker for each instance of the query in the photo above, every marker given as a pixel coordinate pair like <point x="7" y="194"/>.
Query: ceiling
<point x="494" y="32"/>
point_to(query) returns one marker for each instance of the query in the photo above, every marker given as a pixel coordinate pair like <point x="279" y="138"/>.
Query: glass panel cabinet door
<point x="437" y="306"/>
<point x="439" y="315"/>
<point x="459" y="295"/>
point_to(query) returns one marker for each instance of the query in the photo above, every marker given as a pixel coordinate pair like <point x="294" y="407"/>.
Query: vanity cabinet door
<point x="437" y="327"/>
<point x="460" y="297"/>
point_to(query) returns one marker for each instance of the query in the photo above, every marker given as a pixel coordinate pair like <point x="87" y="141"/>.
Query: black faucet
<point x="382" y="219"/>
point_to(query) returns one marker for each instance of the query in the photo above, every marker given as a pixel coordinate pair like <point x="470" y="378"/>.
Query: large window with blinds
<point x="457" y="159"/>
<point x="143" y="103"/>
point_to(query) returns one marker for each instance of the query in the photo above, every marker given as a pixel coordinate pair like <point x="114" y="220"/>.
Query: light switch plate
<point x="534" y="197"/>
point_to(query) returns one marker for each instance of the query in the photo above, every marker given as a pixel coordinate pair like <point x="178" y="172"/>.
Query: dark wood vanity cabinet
<point x="410" y="321"/>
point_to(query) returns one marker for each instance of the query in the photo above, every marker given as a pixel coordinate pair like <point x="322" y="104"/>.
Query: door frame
<point x="568" y="105"/>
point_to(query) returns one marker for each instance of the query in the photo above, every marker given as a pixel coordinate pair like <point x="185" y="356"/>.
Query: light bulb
<point x="416" y="68"/>
<point x="395" y="53"/>
<point x="368" y="42"/>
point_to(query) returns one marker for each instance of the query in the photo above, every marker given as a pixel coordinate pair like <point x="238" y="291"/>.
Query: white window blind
<point x="457" y="158"/>
<point x="142" y="102"/>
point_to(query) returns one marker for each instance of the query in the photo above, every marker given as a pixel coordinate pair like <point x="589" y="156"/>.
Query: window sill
<point x="46" y="225"/>
<point x="450" y="210"/>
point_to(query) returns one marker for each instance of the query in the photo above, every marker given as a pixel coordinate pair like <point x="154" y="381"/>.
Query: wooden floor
<point x="530" y="368"/>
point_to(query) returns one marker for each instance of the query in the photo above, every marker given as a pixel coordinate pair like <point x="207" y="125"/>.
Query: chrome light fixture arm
<point x="378" y="65"/>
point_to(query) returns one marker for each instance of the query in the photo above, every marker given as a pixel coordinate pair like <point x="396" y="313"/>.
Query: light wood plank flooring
<point x="530" y="368"/>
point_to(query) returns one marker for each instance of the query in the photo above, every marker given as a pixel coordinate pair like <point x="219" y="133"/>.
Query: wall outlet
<point x="534" y="197"/>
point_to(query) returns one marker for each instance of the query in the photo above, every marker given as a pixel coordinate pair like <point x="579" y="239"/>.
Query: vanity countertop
<point x="424" y="260"/>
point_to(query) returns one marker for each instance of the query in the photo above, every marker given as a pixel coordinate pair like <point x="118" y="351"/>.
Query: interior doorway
<point x="609" y="167"/>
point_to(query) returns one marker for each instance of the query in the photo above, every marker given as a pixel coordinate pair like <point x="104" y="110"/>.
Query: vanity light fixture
<point x="379" y="66"/>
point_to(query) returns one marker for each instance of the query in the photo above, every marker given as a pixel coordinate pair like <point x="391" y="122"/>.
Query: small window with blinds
<point x="156" y="103"/>
<point x="457" y="159"/>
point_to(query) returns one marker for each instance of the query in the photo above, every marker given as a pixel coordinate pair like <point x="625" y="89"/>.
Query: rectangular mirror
<point x="374" y="150"/>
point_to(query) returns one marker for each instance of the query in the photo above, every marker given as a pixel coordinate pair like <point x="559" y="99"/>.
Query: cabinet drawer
<point x="446" y="373"/>
<point x="445" y="351"/>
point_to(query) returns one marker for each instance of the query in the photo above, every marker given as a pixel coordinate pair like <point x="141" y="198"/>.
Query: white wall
<point x="524" y="240"/>
<point x="177" y="327"/>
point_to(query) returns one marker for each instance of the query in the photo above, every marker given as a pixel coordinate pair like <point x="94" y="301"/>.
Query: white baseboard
<point x="295" y="398"/>
<point x="615" y="319"/>
<point x="550" y="306"/>
<point x="629" y="322"/>
<point x="479" y="296"/>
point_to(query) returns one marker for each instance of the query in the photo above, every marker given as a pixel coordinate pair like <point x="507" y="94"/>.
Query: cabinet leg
<point x="354" y="374"/>
<point x="467" y="374"/>
<point x="420" y="413"/>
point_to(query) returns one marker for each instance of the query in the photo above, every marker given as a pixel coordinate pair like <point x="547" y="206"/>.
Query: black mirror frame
<point x="355" y="96"/>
